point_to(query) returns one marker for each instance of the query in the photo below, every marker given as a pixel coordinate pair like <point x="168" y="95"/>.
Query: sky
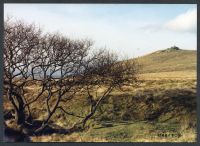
<point x="130" y="30"/>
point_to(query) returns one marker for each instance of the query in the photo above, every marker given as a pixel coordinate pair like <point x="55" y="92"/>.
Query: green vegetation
<point x="127" y="131"/>
<point x="161" y="108"/>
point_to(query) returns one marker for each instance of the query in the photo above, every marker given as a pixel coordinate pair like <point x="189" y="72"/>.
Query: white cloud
<point x="186" y="22"/>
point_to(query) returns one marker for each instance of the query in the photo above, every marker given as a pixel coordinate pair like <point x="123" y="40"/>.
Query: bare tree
<point x="62" y="67"/>
<point x="105" y="71"/>
<point x="19" y="42"/>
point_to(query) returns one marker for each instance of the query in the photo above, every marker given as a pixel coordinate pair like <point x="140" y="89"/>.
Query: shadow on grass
<point x="176" y="101"/>
<point x="114" y="124"/>
<point x="21" y="134"/>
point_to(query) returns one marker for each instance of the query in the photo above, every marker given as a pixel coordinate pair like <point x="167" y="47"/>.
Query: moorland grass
<point x="164" y="102"/>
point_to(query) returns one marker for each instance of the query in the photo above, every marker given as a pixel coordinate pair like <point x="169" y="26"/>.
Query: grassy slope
<point x="168" y="81"/>
<point x="168" y="78"/>
<point x="167" y="61"/>
<point x="173" y="109"/>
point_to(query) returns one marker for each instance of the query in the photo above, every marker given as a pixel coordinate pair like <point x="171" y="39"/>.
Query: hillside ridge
<point x="167" y="60"/>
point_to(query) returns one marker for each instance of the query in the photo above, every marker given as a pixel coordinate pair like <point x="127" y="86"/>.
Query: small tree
<point x="105" y="71"/>
<point x="62" y="67"/>
<point x="19" y="42"/>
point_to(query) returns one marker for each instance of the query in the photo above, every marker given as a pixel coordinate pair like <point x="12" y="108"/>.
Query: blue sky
<point x="129" y="29"/>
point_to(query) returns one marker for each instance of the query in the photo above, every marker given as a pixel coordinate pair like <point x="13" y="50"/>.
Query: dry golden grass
<point x="155" y="84"/>
<point x="168" y="79"/>
<point x="66" y="138"/>
<point x="174" y="75"/>
<point x="130" y="132"/>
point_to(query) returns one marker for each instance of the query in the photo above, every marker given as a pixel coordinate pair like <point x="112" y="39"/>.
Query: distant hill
<point x="171" y="59"/>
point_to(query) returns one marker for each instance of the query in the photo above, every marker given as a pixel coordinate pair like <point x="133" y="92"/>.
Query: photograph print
<point x="100" y="73"/>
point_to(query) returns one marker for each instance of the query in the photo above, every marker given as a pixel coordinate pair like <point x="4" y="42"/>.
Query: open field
<point x="177" y="75"/>
<point x="160" y="108"/>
